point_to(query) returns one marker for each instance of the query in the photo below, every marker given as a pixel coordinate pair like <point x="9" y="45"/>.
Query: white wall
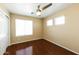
<point x="4" y="30"/>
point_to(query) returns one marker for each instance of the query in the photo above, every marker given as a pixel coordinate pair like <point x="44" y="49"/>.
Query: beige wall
<point x="66" y="35"/>
<point x="37" y="29"/>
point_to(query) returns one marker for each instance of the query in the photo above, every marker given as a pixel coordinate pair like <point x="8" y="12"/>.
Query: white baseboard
<point x="24" y="41"/>
<point x="63" y="47"/>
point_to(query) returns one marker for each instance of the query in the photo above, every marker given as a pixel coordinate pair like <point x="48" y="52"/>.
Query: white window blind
<point x="50" y="22"/>
<point x="24" y="27"/>
<point x="59" y="20"/>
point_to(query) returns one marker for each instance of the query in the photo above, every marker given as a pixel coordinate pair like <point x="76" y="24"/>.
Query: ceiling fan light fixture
<point x="38" y="13"/>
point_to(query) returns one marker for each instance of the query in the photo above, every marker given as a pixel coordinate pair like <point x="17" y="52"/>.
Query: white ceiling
<point x="26" y="9"/>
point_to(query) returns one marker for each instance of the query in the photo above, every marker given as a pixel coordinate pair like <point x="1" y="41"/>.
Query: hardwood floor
<point x="37" y="47"/>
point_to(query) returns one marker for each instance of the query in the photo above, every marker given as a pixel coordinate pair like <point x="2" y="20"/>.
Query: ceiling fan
<point x="39" y="10"/>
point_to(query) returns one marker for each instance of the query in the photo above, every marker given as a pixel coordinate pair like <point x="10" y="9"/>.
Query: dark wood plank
<point x="37" y="47"/>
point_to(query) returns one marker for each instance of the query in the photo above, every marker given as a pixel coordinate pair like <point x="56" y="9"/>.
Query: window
<point x="59" y="20"/>
<point x="24" y="27"/>
<point x="50" y="22"/>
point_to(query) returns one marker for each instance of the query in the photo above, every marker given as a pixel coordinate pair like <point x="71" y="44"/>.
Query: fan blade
<point x="38" y="6"/>
<point x="46" y="6"/>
